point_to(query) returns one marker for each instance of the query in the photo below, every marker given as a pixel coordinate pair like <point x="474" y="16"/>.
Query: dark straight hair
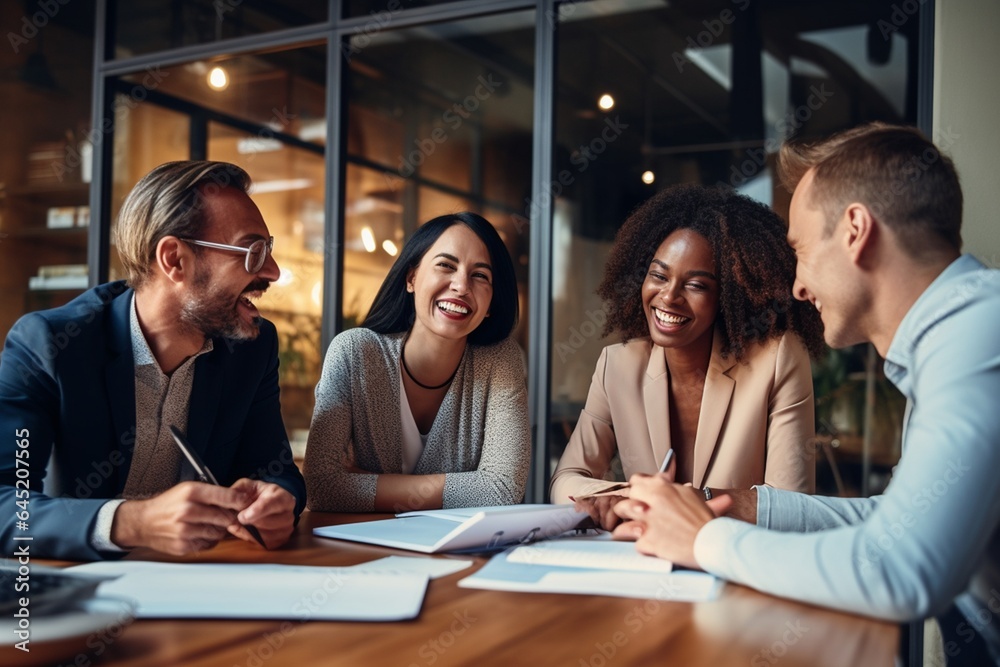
<point x="393" y="310"/>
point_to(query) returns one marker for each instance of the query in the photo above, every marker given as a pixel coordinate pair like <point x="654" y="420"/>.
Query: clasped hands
<point x="663" y="518"/>
<point x="194" y="516"/>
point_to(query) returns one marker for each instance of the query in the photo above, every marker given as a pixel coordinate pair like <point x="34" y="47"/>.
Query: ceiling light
<point x="368" y="238"/>
<point x="648" y="177"/>
<point x="218" y="79"/>
<point x="390" y="247"/>
<point x="606" y="102"/>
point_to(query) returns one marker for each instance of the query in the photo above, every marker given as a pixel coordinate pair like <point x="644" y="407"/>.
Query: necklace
<point x="402" y="357"/>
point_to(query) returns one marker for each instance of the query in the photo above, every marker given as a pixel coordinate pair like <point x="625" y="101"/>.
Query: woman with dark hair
<point x="714" y="358"/>
<point x="424" y="405"/>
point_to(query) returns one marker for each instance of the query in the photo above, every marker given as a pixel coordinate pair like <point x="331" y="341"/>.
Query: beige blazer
<point x="756" y="424"/>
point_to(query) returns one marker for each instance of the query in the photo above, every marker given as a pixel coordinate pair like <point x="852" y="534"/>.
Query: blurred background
<point x="360" y="119"/>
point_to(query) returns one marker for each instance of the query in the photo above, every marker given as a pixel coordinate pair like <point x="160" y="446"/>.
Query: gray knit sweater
<point x="480" y="438"/>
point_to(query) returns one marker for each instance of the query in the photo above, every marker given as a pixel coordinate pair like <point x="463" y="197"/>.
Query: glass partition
<point x="380" y="12"/>
<point x="439" y="121"/>
<point x="158" y="25"/>
<point x="270" y="120"/>
<point x="652" y="94"/>
<point x="45" y="164"/>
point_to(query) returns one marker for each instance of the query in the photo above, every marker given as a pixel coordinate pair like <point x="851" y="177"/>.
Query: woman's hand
<point x="664" y="518"/>
<point x="601" y="506"/>
<point x="601" y="509"/>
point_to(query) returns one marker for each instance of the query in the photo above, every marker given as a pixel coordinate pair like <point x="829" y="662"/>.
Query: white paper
<point x="676" y="586"/>
<point x="596" y="553"/>
<point x="434" y="568"/>
<point x="264" y="591"/>
<point x="502" y="574"/>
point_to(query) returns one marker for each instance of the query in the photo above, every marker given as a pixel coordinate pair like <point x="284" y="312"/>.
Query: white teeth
<point x="666" y="318"/>
<point x="452" y="307"/>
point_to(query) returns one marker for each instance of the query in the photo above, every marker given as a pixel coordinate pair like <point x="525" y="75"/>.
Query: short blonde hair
<point x="895" y="171"/>
<point x="168" y="201"/>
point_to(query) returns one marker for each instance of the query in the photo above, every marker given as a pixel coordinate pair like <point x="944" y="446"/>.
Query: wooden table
<point x="460" y="626"/>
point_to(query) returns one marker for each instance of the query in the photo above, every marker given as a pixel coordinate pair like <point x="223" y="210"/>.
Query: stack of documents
<point x="592" y="566"/>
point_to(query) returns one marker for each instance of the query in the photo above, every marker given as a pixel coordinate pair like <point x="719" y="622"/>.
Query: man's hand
<point x="269" y="508"/>
<point x="190" y="517"/>
<point x="664" y="518"/>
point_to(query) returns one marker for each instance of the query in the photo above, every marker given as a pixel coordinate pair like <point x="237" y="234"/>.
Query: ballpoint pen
<point x="205" y="475"/>
<point x="666" y="460"/>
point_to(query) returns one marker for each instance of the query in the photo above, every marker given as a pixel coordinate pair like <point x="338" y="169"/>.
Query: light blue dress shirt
<point x="933" y="535"/>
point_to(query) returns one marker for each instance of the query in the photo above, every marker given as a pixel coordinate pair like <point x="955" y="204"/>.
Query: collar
<point x="141" y="354"/>
<point x="657" y="364"/>
<point x="950" y="291"/>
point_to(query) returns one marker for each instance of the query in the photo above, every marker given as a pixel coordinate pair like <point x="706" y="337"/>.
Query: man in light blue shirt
<point x="875" y="223"/>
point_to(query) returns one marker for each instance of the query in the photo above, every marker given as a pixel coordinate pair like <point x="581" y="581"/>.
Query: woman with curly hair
<point x="714" y="358"/>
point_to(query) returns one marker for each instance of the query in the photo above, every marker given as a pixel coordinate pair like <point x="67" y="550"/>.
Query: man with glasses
<point x="91" y="390"/>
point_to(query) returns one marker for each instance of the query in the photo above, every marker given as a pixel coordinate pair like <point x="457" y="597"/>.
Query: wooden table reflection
<point x="459" y="626"/>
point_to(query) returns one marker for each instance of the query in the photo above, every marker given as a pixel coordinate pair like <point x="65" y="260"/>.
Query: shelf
<point x="43" y="232"/>
<point x="63" y="192"/>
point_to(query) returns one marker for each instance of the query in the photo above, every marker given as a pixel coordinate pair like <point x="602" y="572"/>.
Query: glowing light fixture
<point x="286" y="277"/>
<point x="368" y="239"/>
<point x="317" y="292"/>
<point x="606" y="102"/>
<point x="390" y="247"/>
<point x="218" y="79"/>
<point x="648" y="177"/>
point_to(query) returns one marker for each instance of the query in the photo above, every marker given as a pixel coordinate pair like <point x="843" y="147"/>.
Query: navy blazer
<point x="67" y="388"/>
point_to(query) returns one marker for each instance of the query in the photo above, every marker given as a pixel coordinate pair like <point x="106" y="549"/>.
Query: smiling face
<point x="452" y="286"/>
<point x="219" y="298"/>
<point x="823" y="274"/>
<point x="680" y="294"/>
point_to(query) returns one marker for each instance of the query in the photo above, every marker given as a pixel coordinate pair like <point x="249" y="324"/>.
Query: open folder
<point x="481" y="528"/>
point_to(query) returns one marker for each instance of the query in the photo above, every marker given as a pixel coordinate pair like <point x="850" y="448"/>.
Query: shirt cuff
<point x="765" y="499"/>
<point x="714" y="542"/>
<point x="100" y="538"/>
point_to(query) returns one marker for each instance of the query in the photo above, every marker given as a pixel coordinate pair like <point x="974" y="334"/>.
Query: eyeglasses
<point x="256" y="254"/>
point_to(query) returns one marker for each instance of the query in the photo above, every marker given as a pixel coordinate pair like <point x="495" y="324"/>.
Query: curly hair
<point x="755" y="264"/>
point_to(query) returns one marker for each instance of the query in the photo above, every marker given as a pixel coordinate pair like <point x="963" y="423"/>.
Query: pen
<point x="205" y="475"/>
<point x="666" y="460"/>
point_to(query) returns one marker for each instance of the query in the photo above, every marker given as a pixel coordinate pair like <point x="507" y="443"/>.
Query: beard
<point x="215" y="314"/>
